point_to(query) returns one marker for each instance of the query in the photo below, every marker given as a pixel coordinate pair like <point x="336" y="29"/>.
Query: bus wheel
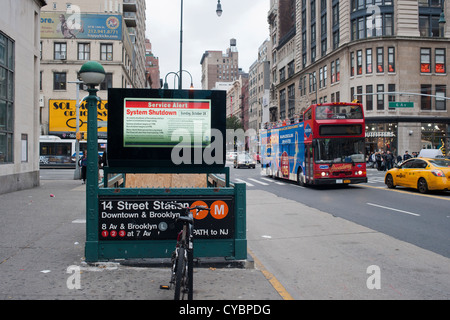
<point x="300" y="177"/>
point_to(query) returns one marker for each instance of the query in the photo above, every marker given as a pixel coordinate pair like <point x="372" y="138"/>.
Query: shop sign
<point x="380" y="134"/>
<point x="62" y="116"/>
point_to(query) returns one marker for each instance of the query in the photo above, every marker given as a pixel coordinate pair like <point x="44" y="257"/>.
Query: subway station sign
<point x="154" y="218"/>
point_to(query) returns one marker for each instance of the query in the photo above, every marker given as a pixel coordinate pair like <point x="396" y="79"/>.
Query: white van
<point x="430" y="153"/>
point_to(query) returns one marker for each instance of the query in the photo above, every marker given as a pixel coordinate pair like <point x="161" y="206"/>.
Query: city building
<point x="390" y="55"/>
<point x="259" y="86"/>
<point x="237" y="99"/>
<point x="220" y="67"/>
<point x="19" y="94"/>
<point x="111" y="32"/>
<point x="151" y="67"/>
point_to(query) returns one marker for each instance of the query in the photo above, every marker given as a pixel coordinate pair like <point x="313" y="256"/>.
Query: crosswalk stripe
<point x="260" y="182"/>
<point x="274" y="181"/>
<point x="242" y="181"/>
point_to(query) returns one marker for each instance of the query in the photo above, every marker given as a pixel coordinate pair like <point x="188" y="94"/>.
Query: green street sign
<point x="394" y="104"/>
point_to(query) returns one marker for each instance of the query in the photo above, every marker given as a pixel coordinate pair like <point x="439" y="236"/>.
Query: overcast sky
<point x="203" y="30"/>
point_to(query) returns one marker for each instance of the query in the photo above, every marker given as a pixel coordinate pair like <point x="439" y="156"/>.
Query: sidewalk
<point x="42" y="234"/>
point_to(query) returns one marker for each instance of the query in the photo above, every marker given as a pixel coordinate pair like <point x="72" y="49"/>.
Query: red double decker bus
<point x="326" y="147"/>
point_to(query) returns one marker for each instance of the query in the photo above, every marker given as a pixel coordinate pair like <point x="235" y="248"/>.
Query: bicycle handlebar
<point x="197" y="208"/>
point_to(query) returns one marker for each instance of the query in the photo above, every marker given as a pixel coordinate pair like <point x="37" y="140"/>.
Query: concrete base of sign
<point x="206" y="262"/>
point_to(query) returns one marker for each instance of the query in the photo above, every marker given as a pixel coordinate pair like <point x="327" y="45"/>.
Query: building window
<point x="283" y="104"/>
<point x="313" y="43"/>
<point x="359" y="62"/>
<point x="84" y="51"/>
<point x="291" y="69"/>
<point x="106" y="52"/>
<point x="291" y="101"/>
<point x="391" y="97"/>
<point x="359" y="91"/>
<point x="440" y="97"/>
<point x="425" y="101"/>
<point x="60" y="51"/>
<point x="368" y="60"/>
<point x="369" y="97"/>
<point x="59" y="81"/>
<point x="380" y="60"/>
<point x="371" y="24"/>
<point x="7" y="57"/>
<point x="429" y="14"/>
<point x="282" y="74"/>
<point x="107" y="82"/>
<point x="325" y="75"/>
<point x="391" y="59"/>
<point x="352" y="64"/>
<point x="338" y="71"/>
<point x="380" y="97"/>
<point x="303" y="86"/>
<point x="440" y="61"/>
<point x="323" y="29"/>
<point x="425" y="60"/>
<point x="24" y="147"/>
<point x="333" y="72"/>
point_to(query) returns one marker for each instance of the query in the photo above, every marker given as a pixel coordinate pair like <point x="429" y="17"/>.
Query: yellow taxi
<point x="422" y="174"/>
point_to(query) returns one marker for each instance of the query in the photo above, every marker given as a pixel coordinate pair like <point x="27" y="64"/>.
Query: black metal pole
<point x="181" y="49"/>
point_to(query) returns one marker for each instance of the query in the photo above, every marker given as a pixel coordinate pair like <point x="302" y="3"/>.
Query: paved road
<point x="405" y="214"/>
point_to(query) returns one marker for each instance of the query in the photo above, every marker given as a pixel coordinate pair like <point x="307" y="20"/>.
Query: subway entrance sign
<point x="154" y="218"/>
<point x="130" y="221"/>
<point x="393" y="104"/>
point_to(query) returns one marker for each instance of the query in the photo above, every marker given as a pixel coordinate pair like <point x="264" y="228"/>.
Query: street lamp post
<point x="166" y="85"/>
<point x="92" y="74"/>
<point x="76" y="174"/>
<point x="218" y="12"/>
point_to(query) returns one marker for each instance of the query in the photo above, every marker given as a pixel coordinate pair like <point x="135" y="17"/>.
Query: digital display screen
<point x="340" y="130"/>
<point x="166" y="128"/>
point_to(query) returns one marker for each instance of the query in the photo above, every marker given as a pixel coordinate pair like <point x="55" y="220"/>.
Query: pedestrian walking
<point x="406" y="156"/>
<point x="389" y="160"/>
<point x="83" y="165"/>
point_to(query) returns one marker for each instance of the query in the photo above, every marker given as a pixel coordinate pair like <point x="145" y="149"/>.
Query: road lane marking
<point x="405" y="192"/>
<point x="269" y="276"/>
<point x="393" y="209"/>
<point x="242" y="181"/>
<point x="260" y="182"/>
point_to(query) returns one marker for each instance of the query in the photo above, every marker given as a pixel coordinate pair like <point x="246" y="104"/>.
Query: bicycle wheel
<point x="181" y="275"/>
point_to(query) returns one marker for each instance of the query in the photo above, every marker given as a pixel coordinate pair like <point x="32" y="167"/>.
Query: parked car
<point x="243" y="160"/>
<point x="422" y="174"/>
<point x="231" y="155"/>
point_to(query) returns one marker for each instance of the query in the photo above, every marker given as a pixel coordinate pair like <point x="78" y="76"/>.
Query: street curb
<point x="204" y="262"/>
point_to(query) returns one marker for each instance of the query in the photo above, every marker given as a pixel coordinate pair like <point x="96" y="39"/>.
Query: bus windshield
<point x="340" y="111"/>
<point x="340" y="150"/>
